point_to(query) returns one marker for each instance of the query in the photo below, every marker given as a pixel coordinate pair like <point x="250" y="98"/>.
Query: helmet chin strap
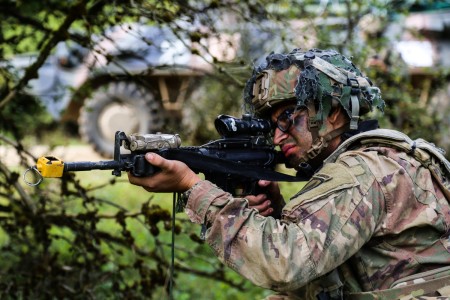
<point x="319" y="142"/>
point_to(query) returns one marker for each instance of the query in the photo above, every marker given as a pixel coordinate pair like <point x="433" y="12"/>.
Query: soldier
<point x="373" y="222"/>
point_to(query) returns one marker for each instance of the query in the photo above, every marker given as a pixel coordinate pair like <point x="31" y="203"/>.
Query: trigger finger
<point x="263" y="206"/>
<point x="256" y="200"/>
<point x="266" y="212"/>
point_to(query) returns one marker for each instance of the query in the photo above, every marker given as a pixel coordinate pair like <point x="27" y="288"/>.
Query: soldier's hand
<point x="175" y="176"/>
<point x="269" y="203"/>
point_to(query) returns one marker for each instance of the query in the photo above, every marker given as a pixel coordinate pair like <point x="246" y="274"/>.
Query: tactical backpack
<point x="434" y="282"/>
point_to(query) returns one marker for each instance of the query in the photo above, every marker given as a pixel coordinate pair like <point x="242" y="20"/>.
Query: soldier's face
<point x="291" y="133"/>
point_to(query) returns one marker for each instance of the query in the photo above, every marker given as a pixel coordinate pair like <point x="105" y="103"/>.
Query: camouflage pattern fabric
<point x="436" y="283"/>
<point x="375" y="215"/>
<point x="323" y="75"/>
<point x="277" y="86"/>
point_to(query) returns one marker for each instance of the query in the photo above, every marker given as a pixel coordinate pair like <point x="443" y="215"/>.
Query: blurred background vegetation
<point x="92" y="236"/>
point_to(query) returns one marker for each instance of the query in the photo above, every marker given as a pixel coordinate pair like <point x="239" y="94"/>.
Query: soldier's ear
<point x="337" y="117"/>
<point x="334" y="114"/>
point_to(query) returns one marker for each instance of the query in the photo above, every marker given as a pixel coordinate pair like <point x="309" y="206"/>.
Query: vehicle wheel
<point x="124" y="106"/>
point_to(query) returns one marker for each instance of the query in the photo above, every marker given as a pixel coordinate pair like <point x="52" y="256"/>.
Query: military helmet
<point x="315" y="79"/>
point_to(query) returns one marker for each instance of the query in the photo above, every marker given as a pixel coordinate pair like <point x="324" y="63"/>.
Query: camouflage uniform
<point x="374" y="213"/>
<point x="374" y="217"/>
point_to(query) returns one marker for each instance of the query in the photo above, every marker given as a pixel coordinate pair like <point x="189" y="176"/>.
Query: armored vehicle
<point x="134" y="78"/>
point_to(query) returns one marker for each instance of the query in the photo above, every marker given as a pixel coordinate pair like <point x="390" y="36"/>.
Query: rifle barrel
<point x="91" y="165"/>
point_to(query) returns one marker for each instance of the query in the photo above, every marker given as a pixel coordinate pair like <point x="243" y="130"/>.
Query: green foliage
<point x="85" y="239"/>
<point x="23" y="116"/>
<point x="70" y="241"/>
<point x="219" y="94"/>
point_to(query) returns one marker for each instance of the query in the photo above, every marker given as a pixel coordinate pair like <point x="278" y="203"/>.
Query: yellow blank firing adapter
<point x="50" y="166"/>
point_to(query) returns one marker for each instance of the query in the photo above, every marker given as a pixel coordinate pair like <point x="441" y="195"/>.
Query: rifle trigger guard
<point x="36" y="172"/>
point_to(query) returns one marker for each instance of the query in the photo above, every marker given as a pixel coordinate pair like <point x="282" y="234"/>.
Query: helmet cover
<point x="321" y="78"/>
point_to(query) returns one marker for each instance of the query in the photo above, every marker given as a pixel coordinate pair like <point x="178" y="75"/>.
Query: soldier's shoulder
<point x="331" y="179"/>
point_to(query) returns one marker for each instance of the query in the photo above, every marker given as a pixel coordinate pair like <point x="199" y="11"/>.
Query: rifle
<point x="234" y="163"/>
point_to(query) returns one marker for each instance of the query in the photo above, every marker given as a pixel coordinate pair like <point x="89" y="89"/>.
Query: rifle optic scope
<point x="228" y="126"/>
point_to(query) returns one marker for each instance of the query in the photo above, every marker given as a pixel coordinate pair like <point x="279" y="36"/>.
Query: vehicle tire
<point x="124" y="106"/>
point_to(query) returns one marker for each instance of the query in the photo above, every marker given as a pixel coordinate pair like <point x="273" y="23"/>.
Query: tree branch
<point x="59" y="35"/>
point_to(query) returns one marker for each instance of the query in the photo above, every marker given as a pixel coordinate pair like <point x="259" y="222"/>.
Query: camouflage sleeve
<point x="322" y="226"/>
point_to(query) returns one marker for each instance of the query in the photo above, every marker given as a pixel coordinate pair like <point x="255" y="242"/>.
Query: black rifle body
<point x="234" y="163"/>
